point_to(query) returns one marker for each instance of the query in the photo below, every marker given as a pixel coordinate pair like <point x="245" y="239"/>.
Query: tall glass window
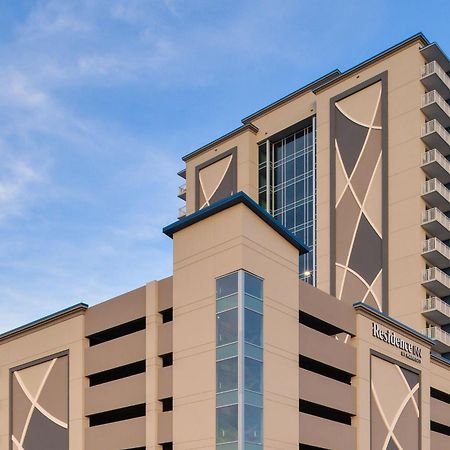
<point x="239" y="362"/>
<point x="288" y="190"/>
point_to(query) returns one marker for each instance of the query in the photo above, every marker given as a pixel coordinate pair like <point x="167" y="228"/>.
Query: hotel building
<point x="309" y="305"/>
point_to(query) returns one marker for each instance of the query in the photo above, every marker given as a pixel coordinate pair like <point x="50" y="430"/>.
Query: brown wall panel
<point x="165" y="293"/>
<point x="165" y="426"/>
<point x="439" y="441"/>
<point x="325" y="391"/>
<point x="325" y="433"/>
<point x="165" y="383"/>
<point x="327" y="308"/>
<point x="165" y="339"/>
<point x="117" y="435"/>
<point x="116" y="394"/>
<point x="327" y="349"/>
<point x="440" y="412"/>
<point x="121" y="309"/>
<point x="115" y="353"/>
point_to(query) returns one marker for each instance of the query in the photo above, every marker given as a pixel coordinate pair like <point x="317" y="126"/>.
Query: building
<point x="309" y="302"/>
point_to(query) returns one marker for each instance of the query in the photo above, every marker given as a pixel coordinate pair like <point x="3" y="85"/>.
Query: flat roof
<point x="71" y="310"/>
<point x="228" y="202"/>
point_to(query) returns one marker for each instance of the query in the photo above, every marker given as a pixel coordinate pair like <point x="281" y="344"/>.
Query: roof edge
<point x="306" y="88"/>
<point x="440" y="360"/>
<point x="378" y="56"/>
<point x="217" y="141"/>
<point x="360" y="306"/>
<point x="66" y="312"/>
<point x="221" y="205"/>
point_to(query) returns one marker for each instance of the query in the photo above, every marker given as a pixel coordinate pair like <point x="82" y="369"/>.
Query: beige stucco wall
<point x="45" y="341"/>
<point x="364" y="343"/>
<point x="228" y="241"/>
<point x="405" y="180"/>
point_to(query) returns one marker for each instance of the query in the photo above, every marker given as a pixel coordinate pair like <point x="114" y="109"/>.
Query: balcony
<point x="435" y="78"/>
<point x="181" y="212"/>
<point x="436" y="166"/>
<point x="436" y="281"/>
<point x="435" y="107"/>
<point x="436" y="223"/>
<point x="182" y="191"/>
<point x="436" y="194"/>
<point x="436" y="253"/>
<point x="436" y="310"/>
<point x="436" y="136"/>
<point x="440" y="337"/>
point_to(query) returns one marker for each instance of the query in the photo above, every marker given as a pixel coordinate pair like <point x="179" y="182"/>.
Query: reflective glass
<point x="227" y="424"/>
<point x="227" y="375"/>
<point x="253" y="375"/>
<point x="227" y="285"/>
<point x="253" y="424"/>
<point x="227" y="327"/>
<point x="253" y="327"/>
<point x="253" y="285"/>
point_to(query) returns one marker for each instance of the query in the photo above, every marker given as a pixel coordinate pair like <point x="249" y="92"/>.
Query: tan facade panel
<point x="327" y="308"/>
<point x="327" y="349"/>
<point x="165" y="338"/>
<point x="165" y="425"/>
<point x="439" y="441"/>
<point x="325" y="433"/>
<point x="165" y="293"/>
<point x="165" y="382"/>
<point x="440" y="412"/>
<point x="115" y="353"/>
<point x="325" y="391"/>
<point x="116" y="394"/>
<point x="119" y="310"/>
<point x="117" y="435"/>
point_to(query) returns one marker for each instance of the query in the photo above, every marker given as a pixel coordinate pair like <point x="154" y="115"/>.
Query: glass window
<point x="227" y="424"/>
<point x="227" y="327"/>
<point x="253" y="327"/>
<point x="227" y="285"/>
<point x="253" y="424"/>
<point x="253" y="285"/>
<point x="253" y="375"/>
<point x="262" y="153"/>
<point x="289" y="146"/>
<point x="227" y="374"/>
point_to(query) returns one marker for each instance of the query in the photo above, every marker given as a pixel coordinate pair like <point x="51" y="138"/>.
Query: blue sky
<point x="99" y="100"/>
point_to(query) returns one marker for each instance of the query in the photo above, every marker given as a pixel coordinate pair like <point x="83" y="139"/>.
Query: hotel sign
<point x="408" y="349"/>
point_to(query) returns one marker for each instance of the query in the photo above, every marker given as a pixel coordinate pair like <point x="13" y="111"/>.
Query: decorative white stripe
<point x="366" y="125"/>
<point x="17" y="444"/>
<point x="217" y="186"/>
<point x="407" y="387"/>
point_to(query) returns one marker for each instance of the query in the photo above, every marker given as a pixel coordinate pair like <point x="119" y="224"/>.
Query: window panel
<point x="227" y="424"/>
<point x="253" y="424"/>
<point x="227" y="375"/>
<point x="227" y="327"/>
<point x="253" y="375"/>
<point x="227" y="285"/>
<point x="253" y="285"/>
<point x="253" y="327"/>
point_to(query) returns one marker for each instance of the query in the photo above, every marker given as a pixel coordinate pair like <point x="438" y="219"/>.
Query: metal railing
<point x="435" y="185"/>
<point x="434" y="244"/>
<point x="430" y="215"/>
<point x="435" y="97"/>
<point x="434" y="126"/>
<point x="182" y="212"/>
<point x="182" y="189"/>
<point x="436" y="274"/>
<point x="436" y="303"/>
<point x="434" y="67"/>
<point x="435" y="156"/>
<point x="437" y="334"/>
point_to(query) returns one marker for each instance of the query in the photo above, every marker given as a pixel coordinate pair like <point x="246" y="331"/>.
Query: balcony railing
<point x="182" y="191"/>
<point x="434" y="77"/>
<point x="182" y="212"/>
<point x="441" y="338"/>
<point x="436" y="252"/>
<point x="435" y="107"/>
<point x="436" y="281"/>
<point x="436" y="194"/>
<point x="436" y="223"/>
<point x="436" y="310"/>
<point x="436" y="165"/>
<point x="436" y="136"/>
